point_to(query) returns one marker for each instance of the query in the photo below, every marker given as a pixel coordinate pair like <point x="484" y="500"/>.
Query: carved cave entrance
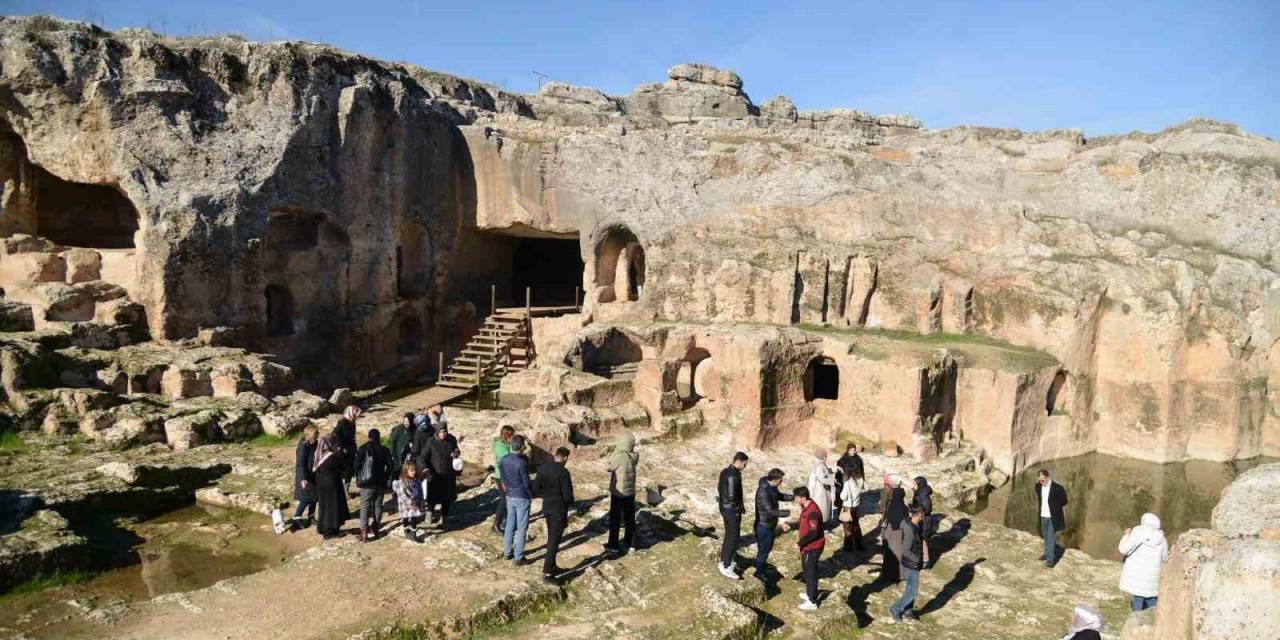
<point x="620" y="266"/>
<point x="691" y="378"/>
<point x="821" y="380"/>
<point x="279" y="311"/>
<point x="550" y="267"/>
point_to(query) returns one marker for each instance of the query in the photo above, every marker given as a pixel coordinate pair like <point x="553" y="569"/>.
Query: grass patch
<point x="268" y="440"/>
<point x="972" y="349"/>
<point x="11" y="442"/>
<point x="53" y="580"/>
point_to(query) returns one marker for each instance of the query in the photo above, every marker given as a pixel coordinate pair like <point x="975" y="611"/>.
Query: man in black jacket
<point x="1051" y="500"/>
<point x="912" y="563"/>
<point x="555" y="486"/>
<point x="767" y="515"/>
<point x="729" y="499"/>
<point x="373" y="467"/>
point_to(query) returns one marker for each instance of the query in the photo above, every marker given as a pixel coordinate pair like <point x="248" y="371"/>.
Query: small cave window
<point x="620" y="265"/>
<point x="279" y="311"/>
<point x="409" y="344"/>
<point x="822" y="380"/>
<point x="1055" y="400"/>
<point x="293" y="230"/>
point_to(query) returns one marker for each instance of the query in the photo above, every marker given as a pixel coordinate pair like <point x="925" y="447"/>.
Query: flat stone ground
<point x="986" y="583"/>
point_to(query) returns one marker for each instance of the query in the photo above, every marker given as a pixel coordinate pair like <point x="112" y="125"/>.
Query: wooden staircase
<point x="502" y="345"/>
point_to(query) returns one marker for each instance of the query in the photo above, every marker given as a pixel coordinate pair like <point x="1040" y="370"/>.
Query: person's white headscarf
<point x="1085" y="617"/>
<point x="352" y="413"/>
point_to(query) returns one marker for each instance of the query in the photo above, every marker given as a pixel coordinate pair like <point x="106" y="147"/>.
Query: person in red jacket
<point x="812" y="539"/>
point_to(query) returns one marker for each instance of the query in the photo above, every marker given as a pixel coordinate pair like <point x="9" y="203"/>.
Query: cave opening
<point x="279" y="311"/>
<point x="620" y="265"/>
<point x="551" y="268"/>
<point x="76" y="214"/>
<point x="822" y="380"/>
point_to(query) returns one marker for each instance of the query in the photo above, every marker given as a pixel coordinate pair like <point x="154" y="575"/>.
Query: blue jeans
<point x="764" y="545"/>
<point x="909" y="593"/>
<point x="1050" y="542"/>
<point x="1139" y="603"/>
<point x="516" y="527"/>
<point x="305" y="505"/>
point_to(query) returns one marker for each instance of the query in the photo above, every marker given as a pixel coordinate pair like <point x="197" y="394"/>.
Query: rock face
<point x="351" y="216"/>
<point x="1224" y="583"/>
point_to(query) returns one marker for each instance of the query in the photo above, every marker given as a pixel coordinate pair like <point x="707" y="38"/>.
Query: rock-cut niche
<point x="821" y="380"/>
<point x="279" y="311"/>
<point x="620" y="265"/>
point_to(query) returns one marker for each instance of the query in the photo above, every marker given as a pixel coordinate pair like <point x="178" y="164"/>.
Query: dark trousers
<point x="853" y="534"/>
<point x="556" y="522"/>
<point x="305" y="505"/>
<point x="622" y="511"/>
<point x="500" y="510"/>
<point x="764" y="545"/>
<point x="809" y="567"/>
<point x="729" y="541"/>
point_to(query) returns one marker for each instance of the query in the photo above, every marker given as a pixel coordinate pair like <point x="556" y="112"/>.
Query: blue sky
<point x="1105" y="67"/>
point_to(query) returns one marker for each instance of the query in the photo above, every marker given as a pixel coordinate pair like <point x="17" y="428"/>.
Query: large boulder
<point x="705" y="74"/>
<point x="188" y="431"/>
<point x="1224" y="583"/>
<point x="282" y="425"/>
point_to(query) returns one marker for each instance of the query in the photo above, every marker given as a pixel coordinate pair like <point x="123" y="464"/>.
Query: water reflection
<point x="1109" y="494"/>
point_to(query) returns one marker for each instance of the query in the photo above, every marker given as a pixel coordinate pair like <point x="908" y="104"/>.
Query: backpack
<point x="365" y="474"/>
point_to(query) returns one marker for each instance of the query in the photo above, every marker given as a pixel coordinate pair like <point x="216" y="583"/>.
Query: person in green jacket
<point x="622" y="493"/>
<point x="501" y="447"/>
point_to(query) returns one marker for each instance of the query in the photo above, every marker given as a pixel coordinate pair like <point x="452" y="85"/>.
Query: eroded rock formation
<point x="353" y="217"/>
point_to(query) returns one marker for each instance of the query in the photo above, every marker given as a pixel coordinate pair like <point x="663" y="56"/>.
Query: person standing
<point x="912" y="563"/>
<point x="1145" y="549"/>
<point x="373" y="467"/>
<point x="401" y="442"/>
<point x="438" y="471"/>
<point x="435" y="413"/>
<point x="345" y="432"/>
<point x="331" y="497"/>
<point x="767" y="515"/>
<point x="729" y="498"/>
<point x="409" y="502"/>
<point x="820" y="484"/>
<point x="812" y="538"/>
<point x="555" y="486"/>
<point x="923" y="497"/>
<point x="515" y="473"/>
<point x="622" y="493"/>
<point x="895" y="513"/>
<point x="501" y="447"/>
<point x="304" y="477"/>
<point x="1052" y="499"/>
<point x="850" y="505"/>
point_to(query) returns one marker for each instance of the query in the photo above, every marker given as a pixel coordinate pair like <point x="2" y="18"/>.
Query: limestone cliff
<point x="350" y="216"/>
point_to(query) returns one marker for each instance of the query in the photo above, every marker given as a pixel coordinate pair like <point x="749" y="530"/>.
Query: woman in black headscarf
<point x="923" y="498"/>
<point x="895" y="511"/>
<point x="332" y="497"/>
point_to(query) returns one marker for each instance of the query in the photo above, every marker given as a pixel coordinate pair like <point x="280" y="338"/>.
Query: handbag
<point x="365" y="474"/>
<point x="457" y="464"/>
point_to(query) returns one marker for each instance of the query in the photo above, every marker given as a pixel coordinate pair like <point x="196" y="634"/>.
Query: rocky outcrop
<point x="350" y="217"/>
<point x="1224" y="583"/>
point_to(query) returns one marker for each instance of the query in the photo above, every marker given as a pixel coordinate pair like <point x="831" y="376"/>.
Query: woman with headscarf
<point x="1144" y="549"/>
<point x="923" y="498"/>
<point x="895" y="512"/>
<point x="345" y="432"/>
<point x="331" y="497"/>
<point x="852" y="484"/>
<point x="820" y="484"/>
<point x="1086" y="624"/>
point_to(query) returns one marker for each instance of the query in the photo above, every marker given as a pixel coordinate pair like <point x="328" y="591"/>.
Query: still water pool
<point x="1108" y="495"/>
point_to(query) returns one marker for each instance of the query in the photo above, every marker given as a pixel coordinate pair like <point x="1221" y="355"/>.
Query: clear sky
<point x="1105" y="67"/>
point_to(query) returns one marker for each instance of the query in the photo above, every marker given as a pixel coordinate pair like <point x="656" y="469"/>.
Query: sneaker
<point x="808" y="606"/>
<point x="729" y="573"/>
<point x="892" y="619"/>
<point x="520" y="562"/>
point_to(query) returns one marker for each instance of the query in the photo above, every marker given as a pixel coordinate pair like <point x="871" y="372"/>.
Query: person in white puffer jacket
<point x="1144" y="549"/>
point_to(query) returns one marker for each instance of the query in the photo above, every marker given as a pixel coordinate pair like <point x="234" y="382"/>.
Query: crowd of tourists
<point x="421" y="463"/>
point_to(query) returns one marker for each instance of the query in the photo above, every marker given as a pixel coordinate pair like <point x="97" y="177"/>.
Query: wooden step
<point x="448" y="384"/>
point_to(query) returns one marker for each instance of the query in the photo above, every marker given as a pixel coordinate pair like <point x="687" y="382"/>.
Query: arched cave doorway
<point x="409" y="344"/>
<point x="1055" y="400"/>
<point x="279" y="311"/>
<point x="620" y="265"/>
<point x="83" y="215"/>
<point x="617" y="356"/>
<point x="691" y="378"/>
<point x="821" y="380"/>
